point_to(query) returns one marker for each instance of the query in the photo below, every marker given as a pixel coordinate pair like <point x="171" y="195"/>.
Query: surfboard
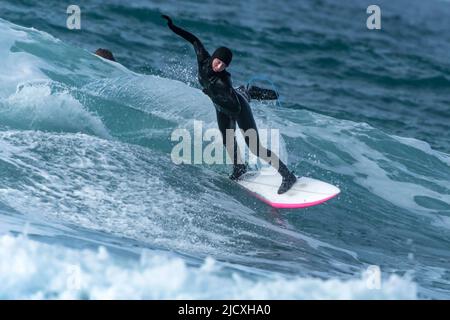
<point x="306" y="192"/>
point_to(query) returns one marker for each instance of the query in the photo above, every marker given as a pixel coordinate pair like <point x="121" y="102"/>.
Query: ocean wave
<point x="34" y="107"/>
<point x="84" y="145"/>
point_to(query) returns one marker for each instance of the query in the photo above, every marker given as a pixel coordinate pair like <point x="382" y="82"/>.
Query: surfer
<point x="231" y="106"/>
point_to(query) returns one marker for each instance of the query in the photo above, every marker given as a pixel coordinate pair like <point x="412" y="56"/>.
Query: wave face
<point x="86" y="170"/>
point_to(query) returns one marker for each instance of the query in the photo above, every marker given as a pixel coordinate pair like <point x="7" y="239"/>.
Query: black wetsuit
<point x="231" y="107"/>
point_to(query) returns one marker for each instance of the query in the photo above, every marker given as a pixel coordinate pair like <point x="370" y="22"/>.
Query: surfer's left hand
<point x="169" y="20"/>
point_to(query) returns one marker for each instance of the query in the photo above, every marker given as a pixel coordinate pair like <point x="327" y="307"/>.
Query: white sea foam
<point x="34" y="106"/>
<point x="30" y="269"/>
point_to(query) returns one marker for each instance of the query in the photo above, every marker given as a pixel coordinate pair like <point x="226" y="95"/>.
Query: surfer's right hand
<point x="169" y="20"/>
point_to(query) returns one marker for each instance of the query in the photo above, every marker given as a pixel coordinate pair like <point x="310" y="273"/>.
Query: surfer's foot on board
<point x="289" y="179"/>
<point x="238" y="171"/>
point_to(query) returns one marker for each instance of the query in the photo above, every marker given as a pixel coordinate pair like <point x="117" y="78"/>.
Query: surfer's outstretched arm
<point x="200" y="50"/>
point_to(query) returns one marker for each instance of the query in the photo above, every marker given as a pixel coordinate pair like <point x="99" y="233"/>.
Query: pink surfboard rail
<point x="293" y="205"/>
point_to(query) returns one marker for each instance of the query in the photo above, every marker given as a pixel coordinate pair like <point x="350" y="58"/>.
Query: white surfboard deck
<point x="306" y="192"/>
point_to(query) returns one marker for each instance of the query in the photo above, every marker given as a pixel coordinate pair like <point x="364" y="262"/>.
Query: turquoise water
<point x="86" y="172"/>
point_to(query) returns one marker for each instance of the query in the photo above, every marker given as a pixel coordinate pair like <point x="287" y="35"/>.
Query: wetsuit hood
<point x="224" y="54"/>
